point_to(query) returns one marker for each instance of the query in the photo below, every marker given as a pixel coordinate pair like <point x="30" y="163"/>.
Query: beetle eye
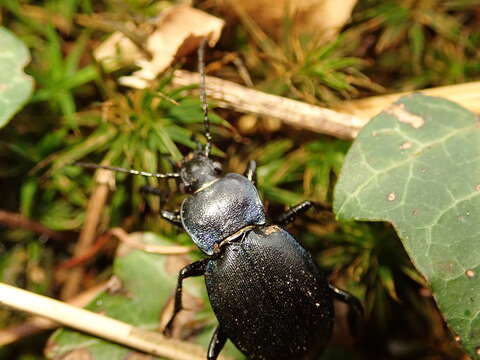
<point x="217" y="166"/>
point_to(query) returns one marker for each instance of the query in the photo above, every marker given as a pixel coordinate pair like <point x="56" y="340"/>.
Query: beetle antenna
<point x="203" y="95"/>
<point x="128" y="171"/>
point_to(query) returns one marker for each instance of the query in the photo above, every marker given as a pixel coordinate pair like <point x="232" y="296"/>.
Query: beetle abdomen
<point x="269" y="296"/>
<point x="220" y="210"/>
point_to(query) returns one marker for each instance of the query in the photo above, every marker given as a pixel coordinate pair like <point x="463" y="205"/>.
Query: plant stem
<point x="240" y="98"/>
<point x="344" y="121"/>
<point x="15" y="220"/>
<point x="99" y="325"/>
<point x="104" y="183"/>
<point x="36" y="324"/>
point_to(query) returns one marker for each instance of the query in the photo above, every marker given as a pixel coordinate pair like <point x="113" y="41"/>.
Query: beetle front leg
<point x="355" y="313"/>
<point x="194" y="269"/>
<point x="172" y="217"/>
<point x="251" y="172"/>
<point x="290" y="215"/>
<point x="219" y="338"/>
<point x="299" y="209"/>
<point x="147" y="189"/>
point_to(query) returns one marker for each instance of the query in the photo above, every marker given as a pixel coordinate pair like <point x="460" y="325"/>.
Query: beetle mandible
<point x="270" y="298"/>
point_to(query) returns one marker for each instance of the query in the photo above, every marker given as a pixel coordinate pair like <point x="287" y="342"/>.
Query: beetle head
<point x="197" y="170"/>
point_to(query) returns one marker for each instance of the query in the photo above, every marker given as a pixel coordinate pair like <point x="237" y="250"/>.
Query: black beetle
<point x="270" y="298"/>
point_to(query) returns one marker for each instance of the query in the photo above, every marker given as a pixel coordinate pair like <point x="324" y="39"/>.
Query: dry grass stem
<point x="229" y="95"/>
<point x="105" y="182"/>
<point x="36" y="324"/>
<point x="344" y="121"/>
<point x="99" y="325"/>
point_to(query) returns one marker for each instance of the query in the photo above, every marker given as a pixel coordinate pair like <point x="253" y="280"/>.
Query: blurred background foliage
<point x="79" y="112"/>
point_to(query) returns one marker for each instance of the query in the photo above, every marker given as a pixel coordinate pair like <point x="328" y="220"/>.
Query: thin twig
<point x="37" y="324"/>
<point x="88" y="254"/>
<point x="104" y="180"/>
<point x="132" y="242"/>
<point x="99" y="325"/>
<point x="15" y="220"/>
<point x="345" y="121"/>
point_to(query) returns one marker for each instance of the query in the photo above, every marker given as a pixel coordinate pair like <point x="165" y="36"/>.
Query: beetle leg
<point x="251" y="172"/>
<point x="173" y="217"/>
<point x="152" y="190"/>
<point x="299" y="209"/>
<point x="355" y="313"/>
<point x="194" y="269"/>
<point x="217" y="343"/>
<point x="290" y="215"/>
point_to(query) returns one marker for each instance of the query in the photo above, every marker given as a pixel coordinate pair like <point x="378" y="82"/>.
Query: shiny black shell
<point x="221" y="209"/>
<point x="269" y="296"/>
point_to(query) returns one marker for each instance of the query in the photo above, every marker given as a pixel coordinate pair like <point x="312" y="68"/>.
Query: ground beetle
<point x="270" y="298"/>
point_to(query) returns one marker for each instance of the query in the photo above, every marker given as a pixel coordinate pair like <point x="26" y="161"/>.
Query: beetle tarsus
<point x="297" y="210"/>
<point x="355" y="313"/>
<point x="251" y="172"/>
<point x="290" y="215"/>
<point x="219" y="338"/>
<point x="194" y="269"/>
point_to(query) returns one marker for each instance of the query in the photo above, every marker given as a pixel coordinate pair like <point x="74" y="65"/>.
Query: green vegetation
<point x="80" y="112"/>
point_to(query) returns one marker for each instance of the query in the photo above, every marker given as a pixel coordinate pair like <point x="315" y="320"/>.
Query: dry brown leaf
<point x="325" y="17"/>
<point x="117" y="51"/>
<point x="466" y="94"/>
<point x="329" y="16"/>
<point x="179" y="31"/>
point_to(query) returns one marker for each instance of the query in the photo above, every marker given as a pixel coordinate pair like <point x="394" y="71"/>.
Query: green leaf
<point x="15" y="86"/>
<point x="417" y="166"/>
<point x="144" y="284"/>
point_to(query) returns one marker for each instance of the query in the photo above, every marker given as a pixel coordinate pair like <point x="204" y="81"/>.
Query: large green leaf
<point x="15" y="86"/>
<point x="143" y="284"/>
<point x="417" y="166"/>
